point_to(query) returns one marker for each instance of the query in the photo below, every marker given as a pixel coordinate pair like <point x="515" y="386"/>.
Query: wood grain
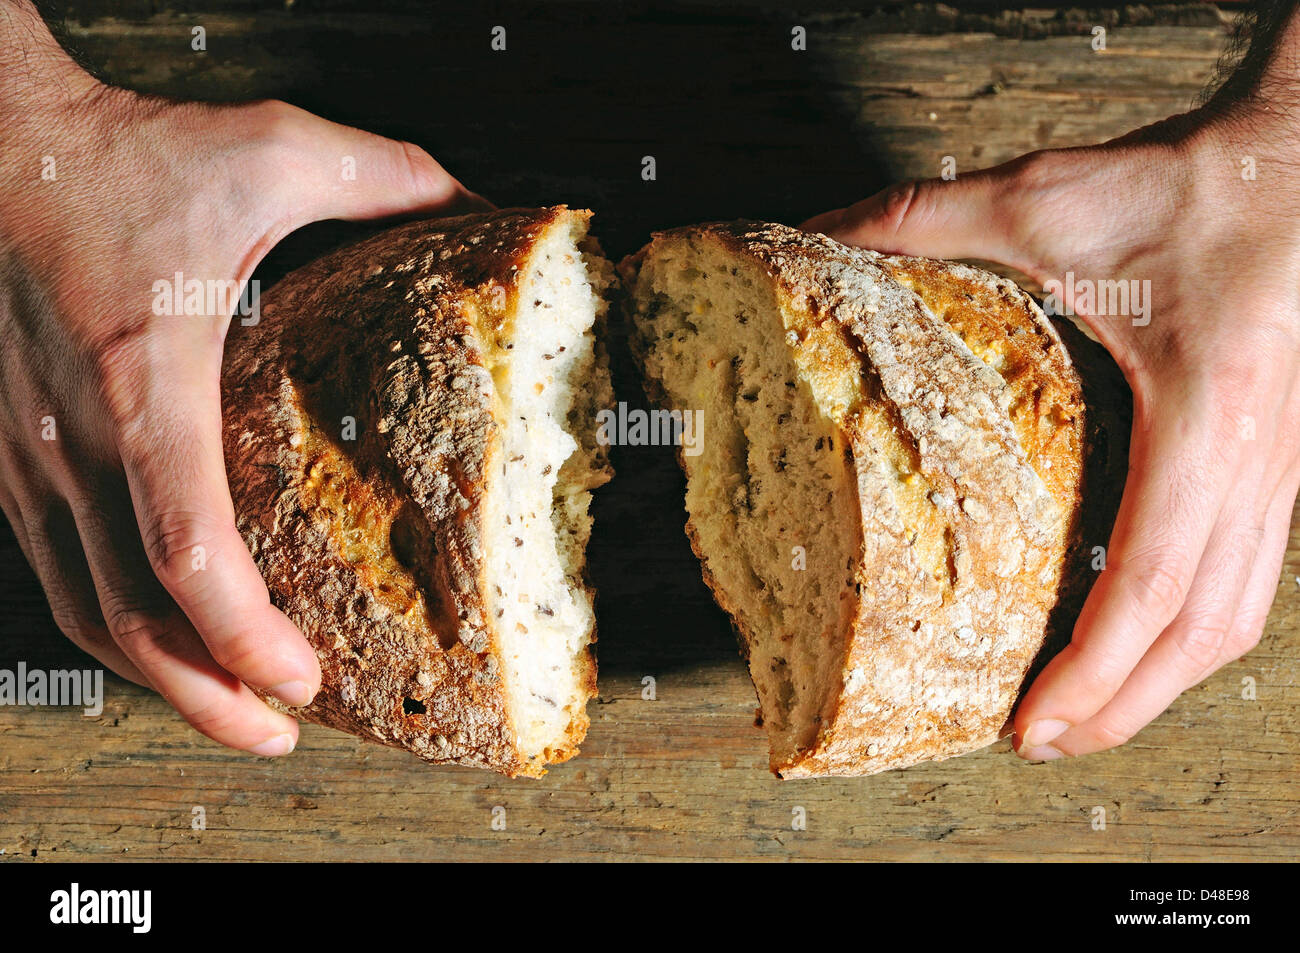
<point x="740" y="126"/>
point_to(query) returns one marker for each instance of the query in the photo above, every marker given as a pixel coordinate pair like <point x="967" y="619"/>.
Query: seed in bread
<point x="889" y="495"/>
<point x="409" y="436"/>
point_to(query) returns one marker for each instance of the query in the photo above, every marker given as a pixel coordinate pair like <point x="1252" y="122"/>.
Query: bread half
<point x="409" y="436"/>
<point x="888" y="490"/>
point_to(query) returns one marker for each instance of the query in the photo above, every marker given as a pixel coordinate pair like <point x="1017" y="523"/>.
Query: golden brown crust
<point x="956" y="376"/>
<point x="360" y="423"/>
<point x="1002" y="326"/>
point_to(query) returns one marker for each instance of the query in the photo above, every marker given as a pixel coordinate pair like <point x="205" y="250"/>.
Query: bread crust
<point x="373" y="546"/>
<point x="978" y="382"/>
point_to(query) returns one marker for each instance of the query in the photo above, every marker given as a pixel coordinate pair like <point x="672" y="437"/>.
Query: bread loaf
<point x="887" y="501"/>
<point x="409" y="441"/>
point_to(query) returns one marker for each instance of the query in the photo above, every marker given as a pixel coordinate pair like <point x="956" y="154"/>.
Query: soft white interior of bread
<point x="537" y="519"/>
<point x="774" y="474"/>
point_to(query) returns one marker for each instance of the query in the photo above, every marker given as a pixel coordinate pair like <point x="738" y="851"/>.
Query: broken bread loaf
<point x="409" y="441"/>
<point x="888" y="495"/>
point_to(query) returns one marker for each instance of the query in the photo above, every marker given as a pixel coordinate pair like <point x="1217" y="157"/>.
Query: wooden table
<point x="740" y="125"/>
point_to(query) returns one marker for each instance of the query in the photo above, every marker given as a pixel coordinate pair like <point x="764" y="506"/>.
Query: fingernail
<point x="1044" y="732"/>
<point x="1040" y="753"/>
<point x="293" y="694"/>
<point x="274" y="747"/>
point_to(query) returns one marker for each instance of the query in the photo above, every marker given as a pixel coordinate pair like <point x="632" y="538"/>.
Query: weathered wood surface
<point x="740" y="126"/>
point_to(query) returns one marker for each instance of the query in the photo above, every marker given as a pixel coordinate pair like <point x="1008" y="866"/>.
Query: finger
<point x="175" y="470"/>
<point x="60" y="564"/>
<point x="1189" y="649"/>
<point x="12" y="513"/>
<point x="334" y="171"/>
<point x="164" y="646"/>
<point x="1173" y="495"/>
<point x="1261" y="589"/>
<point x="47" y="535"/>
<point x="966" y="217"/>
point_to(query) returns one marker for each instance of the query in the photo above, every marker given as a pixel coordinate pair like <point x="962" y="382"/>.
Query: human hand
<point x="112" y="474"/>
<point x="1195" y="555"/>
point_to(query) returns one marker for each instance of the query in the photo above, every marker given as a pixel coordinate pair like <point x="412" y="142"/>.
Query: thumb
<point x="965" y="217"/>
<point x="327" y="170"/>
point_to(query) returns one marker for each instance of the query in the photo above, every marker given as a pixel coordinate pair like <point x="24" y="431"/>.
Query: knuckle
<point x="1158" y="588"/>
<point x="173" y="541"/>
<point x="273" y="125"/>
<point x="146" y="638"/>
<point x="1039" y="171"/>
<point x="1243" y="637"/>
<point x="232" y="653"/>
<point x="75" y="617"/>
<point x="121" y="364"/>
<point x="425" y="177"/>
<point x="1200" y="643"/>
<point x="78" y="625"/>
<point x="213" y="721"/>
<point x="900" y="205"/>
<point x="273" y="138"/>
<point x="1232" y="395"/>
<point x="1238" y="375"/>
<point x="1028" y="192"/>
<point x="1237" y="646"/>
<point x="1111" y="734"/>
<point x="1102" y="671"/>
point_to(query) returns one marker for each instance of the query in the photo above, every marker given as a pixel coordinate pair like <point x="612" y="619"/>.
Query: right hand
<point x="112" y="472"/>
<point x="1194" y="557"/>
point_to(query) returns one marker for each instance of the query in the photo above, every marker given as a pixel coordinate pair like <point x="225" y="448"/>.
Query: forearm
<point x="54" y="118"/>
<point x="34" y="69"/>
